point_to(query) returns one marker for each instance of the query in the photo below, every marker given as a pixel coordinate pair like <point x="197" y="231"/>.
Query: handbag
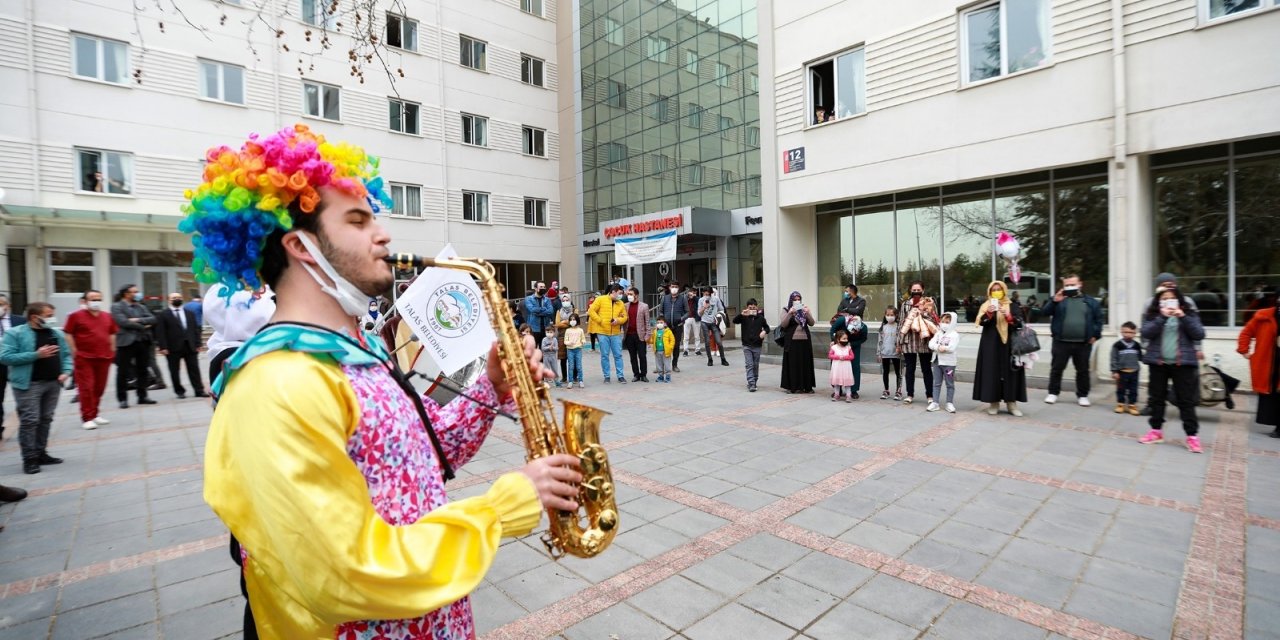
<point x="1024" y="341"/>
<point x="778" y="337"/>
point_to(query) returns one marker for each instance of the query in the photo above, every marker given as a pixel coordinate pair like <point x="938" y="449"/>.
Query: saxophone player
<point x="326" y="467"/>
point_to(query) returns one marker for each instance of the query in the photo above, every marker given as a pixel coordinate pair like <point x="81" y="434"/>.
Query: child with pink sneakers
<point x="1171" y="329"/>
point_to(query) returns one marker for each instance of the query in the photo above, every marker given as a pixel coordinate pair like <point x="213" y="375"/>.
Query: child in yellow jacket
<point x="664" y="343"/>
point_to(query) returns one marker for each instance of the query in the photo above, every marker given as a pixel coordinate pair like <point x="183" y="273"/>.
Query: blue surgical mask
<point x="137" y="297"/>
<point x="847" y="295"/>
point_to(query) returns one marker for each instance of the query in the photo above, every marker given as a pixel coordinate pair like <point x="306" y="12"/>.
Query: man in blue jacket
<point x="1076" y="323"/>
<point x="39" y="362"/>
<point x="538" y="312"/>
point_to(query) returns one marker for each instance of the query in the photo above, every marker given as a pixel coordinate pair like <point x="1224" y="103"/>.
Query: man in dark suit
<point x="179" y="342"/>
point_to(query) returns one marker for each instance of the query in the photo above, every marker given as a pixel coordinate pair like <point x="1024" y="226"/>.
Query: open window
<point x="837" y="87"/>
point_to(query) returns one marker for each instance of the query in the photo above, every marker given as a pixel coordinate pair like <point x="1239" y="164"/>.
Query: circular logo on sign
<point x="453" y="310"/>
<point x="664" y="269"/>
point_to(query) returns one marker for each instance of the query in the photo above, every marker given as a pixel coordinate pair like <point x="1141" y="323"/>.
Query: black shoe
<point x="644" y="378"/>
<point x="124" y="404"/>
<point x="724" y="362"/>
<point x="12" y="494"/>
<point x="31" y="467"/>
<point x="1146" y="411"/>
<point x="48" y="459"/>
<point x="675" y="369"/>
<point x="752" y="388"/>
<point x="636" y="378"/>
<point x="146" y="401"/>
<point x="182" y="396"/>
<point x="157" y="386"/>
<point x="202" y="395"/>
<point x="1275" y="434"/>
<point x="854" y="395"/>
<point x="75" y="399"/>
<point x="710" y="363"/>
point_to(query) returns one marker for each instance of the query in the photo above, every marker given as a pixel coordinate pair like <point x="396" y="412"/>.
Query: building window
<point x="837" y="87"/>
<point x="662" y="108"/>
<point x="617" y="154"/>
<point x="531" y="70"/>
<point x="321" y="101"/>
<point x="105" y="171"/>
<point x="1005" y="37"/>
<point x="105" y="60"/>
<point x="753" y="136"/>
<point x="695" y="174"/>
<point x="475" y="130"/>
<point x="472" y="53"/>
<point x="695" y="116"/>
<point x="691" y="61"/>
<point x="1214" y="210"/>
<point x="726" y="127"/>
<point x="1214" y="9"/>
<point x="475" y="206"/>
<point x="535" y="142"/>
<point x="613" y="32"/>
<point x="617" y="95"/>
<point x="531" y="6"/>
<point x="404" y="116"/>
<point x="660" y="163"/>
<point x="72" y="271"/>
<point x="406" y="200"/>
<point x="402" y="32"/>
<point x="722" y="74"/>
<point x="316" y="13"/>
<point x="656" y="48"/>
<point x="224" y="82"/>
<point x="726" y="181"/>
<point x="535" y="212"/>
<point x="753" y="186"/>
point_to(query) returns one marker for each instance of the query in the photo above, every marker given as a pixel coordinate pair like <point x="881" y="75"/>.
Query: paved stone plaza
<point x="751" y="516"/>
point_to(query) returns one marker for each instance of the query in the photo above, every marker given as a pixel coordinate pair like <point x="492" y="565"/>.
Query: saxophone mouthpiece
<point x="406" y="261"/>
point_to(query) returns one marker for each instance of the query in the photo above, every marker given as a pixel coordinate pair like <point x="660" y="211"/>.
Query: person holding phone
<point x="996" y="379"/>
<point x="39" y="363"/>
<point x="797" y="349"/>
<point x="1171" y="329"/>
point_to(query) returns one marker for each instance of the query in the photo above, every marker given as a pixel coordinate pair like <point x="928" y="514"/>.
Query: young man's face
<point x="1127" y="333"/>
<point x="354" y="242"/>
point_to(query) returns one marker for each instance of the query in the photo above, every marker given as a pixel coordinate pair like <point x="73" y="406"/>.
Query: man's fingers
<point x="561" y="460"/>
<point x="565" y="474"/>
<point x="560" y="504"/>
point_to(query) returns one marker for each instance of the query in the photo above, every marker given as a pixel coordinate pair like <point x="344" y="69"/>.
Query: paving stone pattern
<point x="744" y="515"/>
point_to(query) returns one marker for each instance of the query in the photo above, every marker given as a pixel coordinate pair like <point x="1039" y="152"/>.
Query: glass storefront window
<point x="835" y="261"/>
<point x="875" y="256"/>
<point x="1025" y="213"/>
<point x="919" y="245"/>
<point x="1257" y="245"/>
<point x="1081" y="236"/>
<point x="969" y="268"/>
<point x="1191" y="234"/>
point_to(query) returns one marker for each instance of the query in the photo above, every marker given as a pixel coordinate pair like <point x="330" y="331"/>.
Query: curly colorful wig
<point x="249" y="194"/>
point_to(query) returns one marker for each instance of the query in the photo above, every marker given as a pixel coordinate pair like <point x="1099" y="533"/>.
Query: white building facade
<point x="1116" y="139"/>
<point x="106" y="114"/>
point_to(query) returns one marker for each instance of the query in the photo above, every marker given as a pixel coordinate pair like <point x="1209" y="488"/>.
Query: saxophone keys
<point x="608" y="520"/>
<point x="597" y="489"/>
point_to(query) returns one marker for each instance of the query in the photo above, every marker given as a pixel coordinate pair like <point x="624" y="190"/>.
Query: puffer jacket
<point x="1190" y="332"/>
<point x="605" y="309"/>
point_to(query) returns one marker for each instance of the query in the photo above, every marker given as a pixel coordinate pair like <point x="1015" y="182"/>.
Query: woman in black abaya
<point x="797" y="348"/>
<point x="996" y="379"/>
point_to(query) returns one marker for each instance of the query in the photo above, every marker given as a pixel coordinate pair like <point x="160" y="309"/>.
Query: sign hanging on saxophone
<point x="659" y="247"/>
<point x="445" y="309"/>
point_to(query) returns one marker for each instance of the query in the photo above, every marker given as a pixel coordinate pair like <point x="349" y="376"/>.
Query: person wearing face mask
<point x="1259" y="343"/>
<point x="564" y="310"/>
<point x="608" y="316"/>
<point x="673" y="308"/>
<point x="6" y="322"/>
<point x="539" y="312"/>
<point x="636" y="338"/>
<point x="1171" y="329"/>
<point x="323" y="461"/>
<point x="797" y="349"/>
<point x="889" y="354"/>
<point x="710" y="313"/>
<point x="944" y="344"/>
<point x="574" y="339"/>
<point x="179" y="340"/>
<point x="1076" y="324"/>
<point x="692" y="323"/>
<point x="851" y="304"/>
<point x="663" y="343"/>
<point x="39" y="361"/>
<point x="918" y="322"/>
<point x="754" y="330"/>
<point x="133" y="344"/>
<point x="996" y="379"/>
<point x="92" y="335"/>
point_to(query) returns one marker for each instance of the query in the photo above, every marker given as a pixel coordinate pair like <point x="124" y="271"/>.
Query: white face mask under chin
<point x="353" y="301"/>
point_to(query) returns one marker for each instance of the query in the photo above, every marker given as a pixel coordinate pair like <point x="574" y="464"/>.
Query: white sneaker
<point x="933" y="406"/>
<point x="951" y="408"/>
<point x="1083" y="401"/>
<point x="90" y="425"/>
<point x="1050" y="399"/>
<point x="101" y="421"/>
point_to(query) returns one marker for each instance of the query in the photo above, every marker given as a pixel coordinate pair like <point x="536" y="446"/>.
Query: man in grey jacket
<point x="674" y="308"/>
<point x="133" y="343"/>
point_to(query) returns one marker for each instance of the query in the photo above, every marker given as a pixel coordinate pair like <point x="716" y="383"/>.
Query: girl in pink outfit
<point x="841" y="355"/>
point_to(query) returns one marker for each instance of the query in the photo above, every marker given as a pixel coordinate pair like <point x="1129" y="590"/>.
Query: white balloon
<point x="1008" y="250"/>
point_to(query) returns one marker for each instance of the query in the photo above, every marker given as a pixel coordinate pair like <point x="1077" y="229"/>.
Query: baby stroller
<point x="1215" y="386"/>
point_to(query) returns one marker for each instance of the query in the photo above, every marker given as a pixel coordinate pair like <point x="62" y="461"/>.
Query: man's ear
<point x="294" y="248"/>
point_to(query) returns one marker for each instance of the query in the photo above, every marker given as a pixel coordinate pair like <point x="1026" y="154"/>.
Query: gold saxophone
<point x="590" y="530"/>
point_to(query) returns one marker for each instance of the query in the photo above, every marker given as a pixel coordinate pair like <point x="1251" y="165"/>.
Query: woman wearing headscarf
<point x="564" y="311"/>
<point x="1264" y="361"/>
<point x="996" y="378"/>
<point x="797" y="346"/>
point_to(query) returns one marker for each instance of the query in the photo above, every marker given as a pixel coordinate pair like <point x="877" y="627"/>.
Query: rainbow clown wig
<point x="249" y="194"/>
